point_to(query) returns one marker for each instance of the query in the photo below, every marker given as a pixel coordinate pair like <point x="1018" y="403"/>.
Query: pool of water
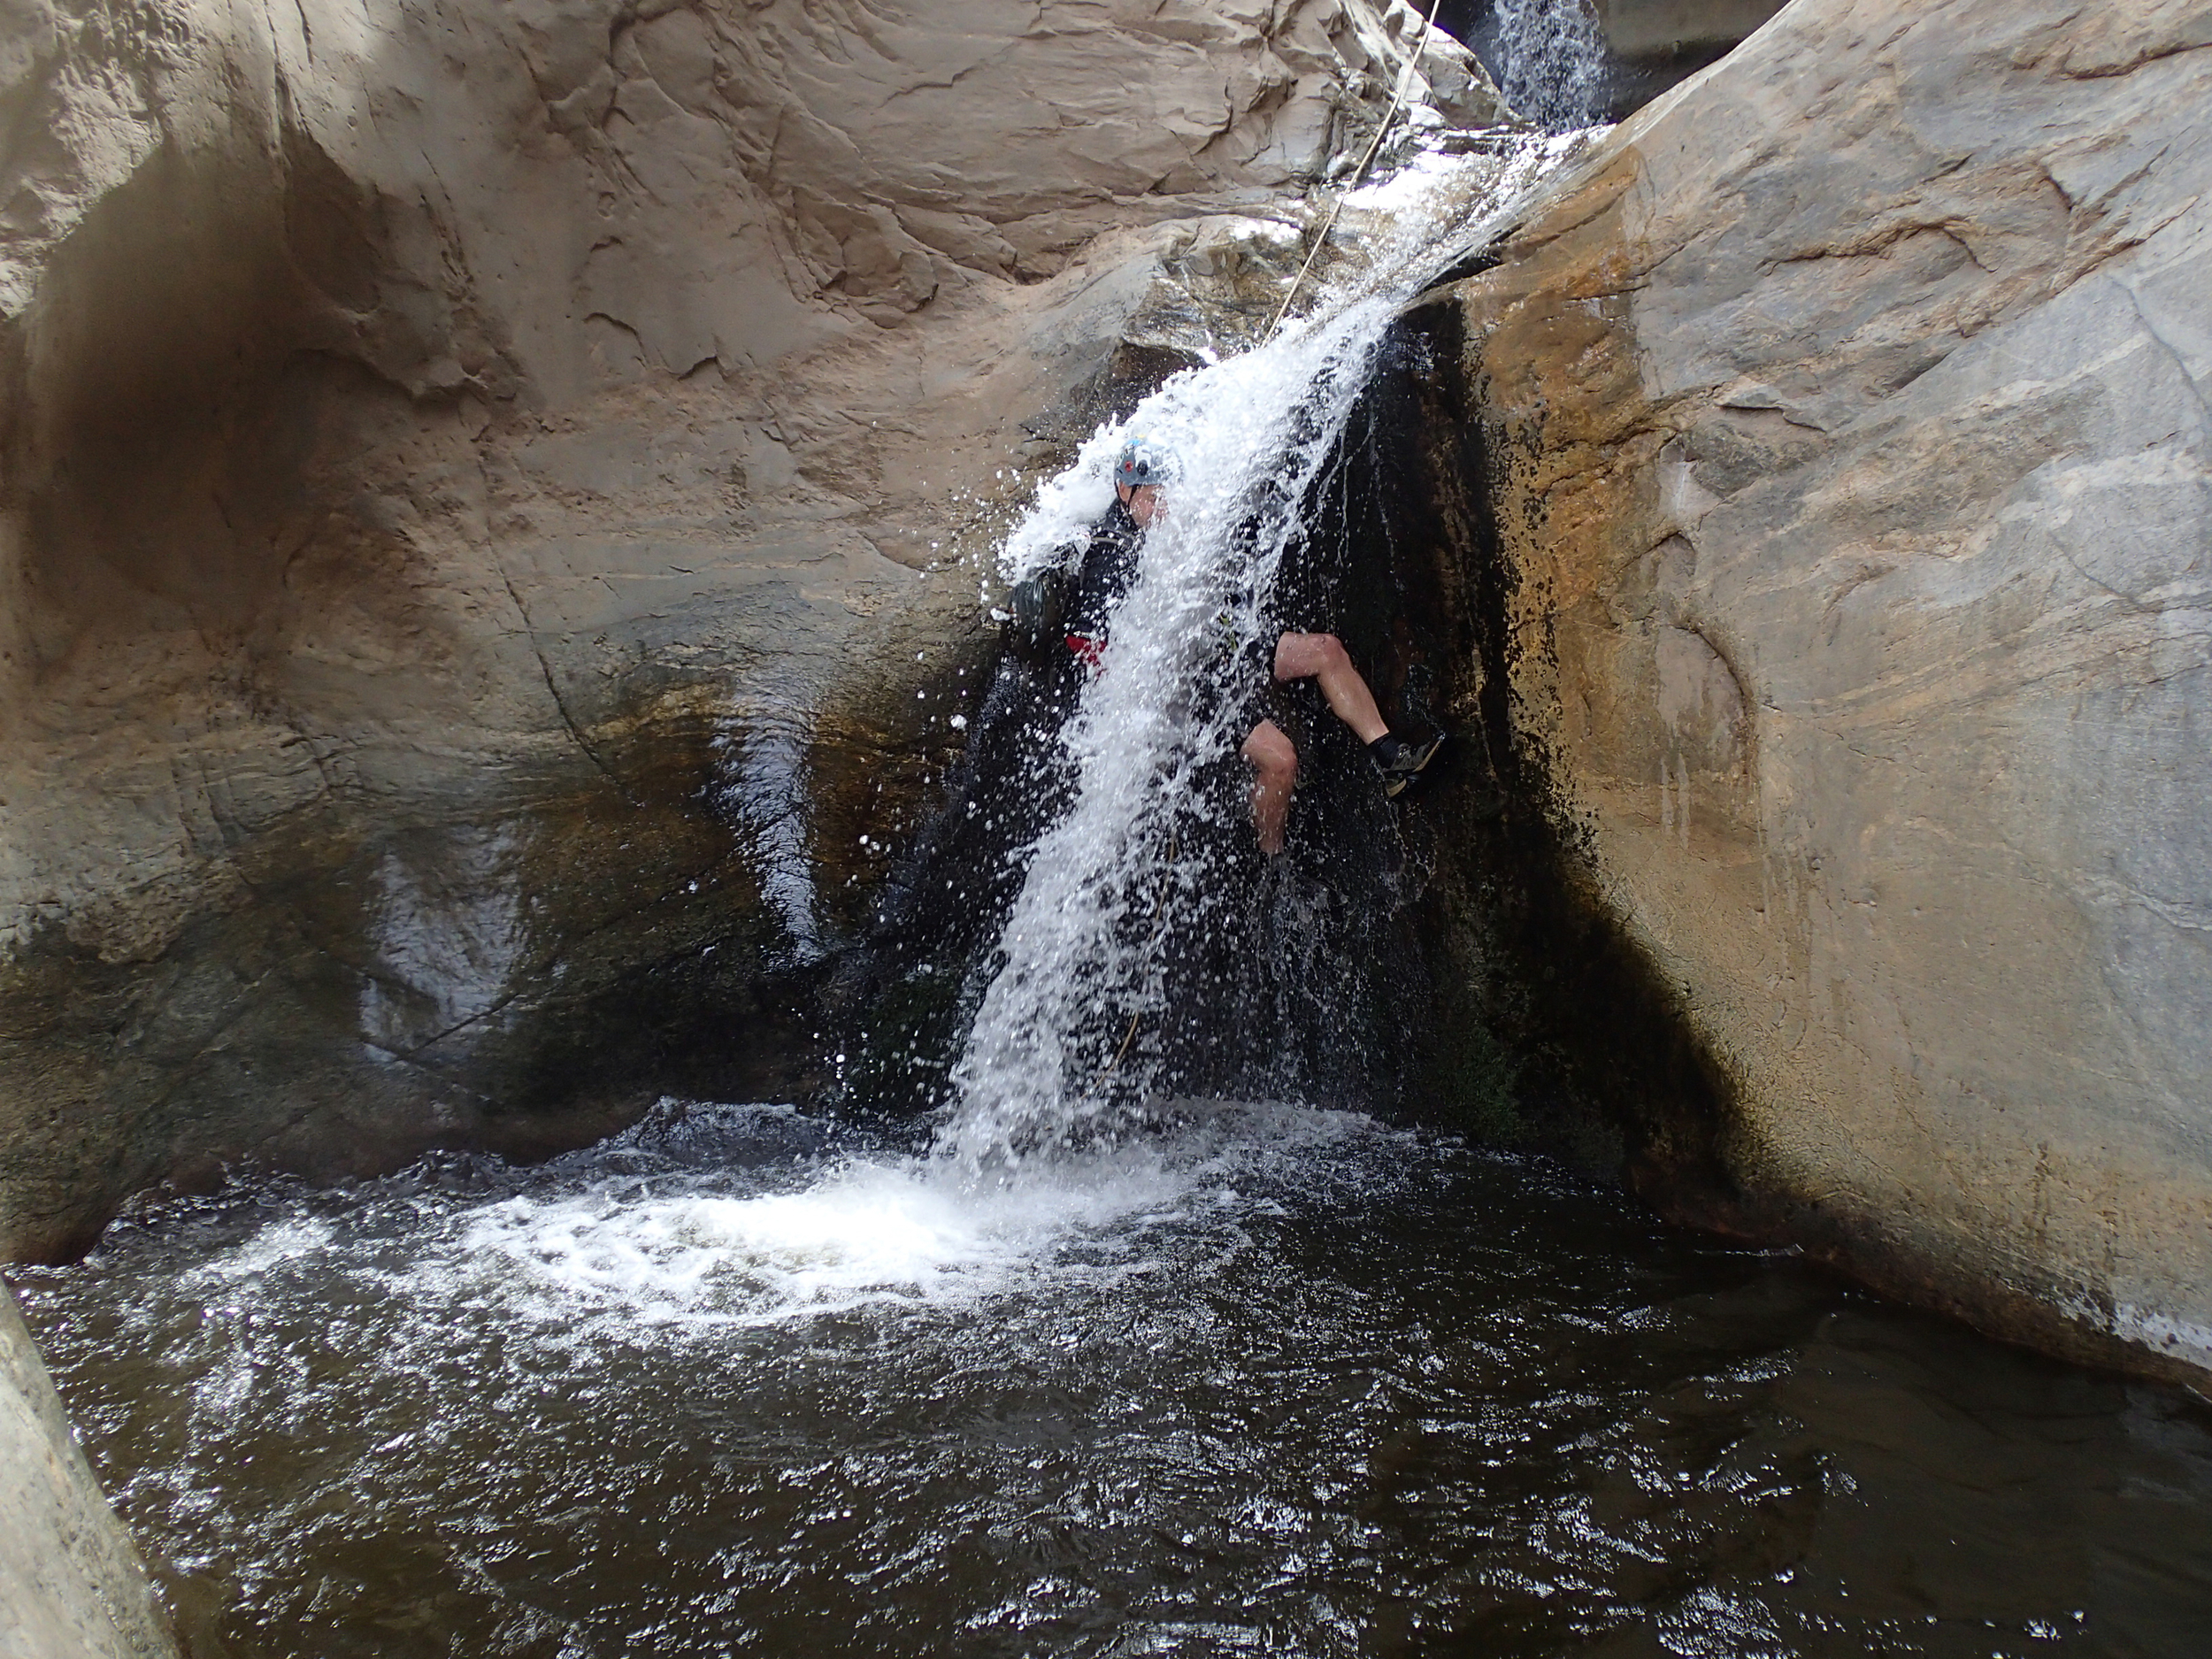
<point x="1268" y="1381"/>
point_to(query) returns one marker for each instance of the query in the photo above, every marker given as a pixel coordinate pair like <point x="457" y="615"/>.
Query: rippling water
<point x="1270" y="1381"/>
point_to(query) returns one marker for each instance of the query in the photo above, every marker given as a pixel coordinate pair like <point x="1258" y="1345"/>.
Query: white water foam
<point x="618" y="1253"/>
<point x="869" y="1230"/>
<point x="864" y="1232"/>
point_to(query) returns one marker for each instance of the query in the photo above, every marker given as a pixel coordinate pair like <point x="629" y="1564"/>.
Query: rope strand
<point x="1405" y="80"/>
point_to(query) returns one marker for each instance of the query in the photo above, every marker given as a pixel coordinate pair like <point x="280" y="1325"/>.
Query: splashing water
<point x="1552" y="63"/>
<point x="1258" y="428"/>
<point x="1274" y="1382"/>
<point x="1051" y="1059"/>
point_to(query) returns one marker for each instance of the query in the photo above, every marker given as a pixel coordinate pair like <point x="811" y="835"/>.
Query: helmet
<point x="1144" y="460"/>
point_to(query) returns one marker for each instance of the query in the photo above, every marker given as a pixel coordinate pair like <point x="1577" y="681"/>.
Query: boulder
<point x="1846" y="436"/>
<point x="481" y="488"/>
<point x="72" y="1583"/>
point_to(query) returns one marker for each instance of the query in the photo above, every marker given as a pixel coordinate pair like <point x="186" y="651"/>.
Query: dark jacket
<point x="1058" y="605"/>
<point x="1109" y="560"/>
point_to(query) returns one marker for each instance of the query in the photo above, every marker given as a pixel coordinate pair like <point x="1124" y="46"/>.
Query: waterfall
<point x="1551" y="62"/>
<point x="1153" y="848"/>
<point x="1251" y="436"/>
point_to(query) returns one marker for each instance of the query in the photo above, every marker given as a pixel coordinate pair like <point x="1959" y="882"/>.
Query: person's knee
<point x="1302" y="655"/>
<point x="1272" y="756"/>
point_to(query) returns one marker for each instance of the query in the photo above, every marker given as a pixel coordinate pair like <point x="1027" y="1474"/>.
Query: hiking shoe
<point x="1404" y="763"/>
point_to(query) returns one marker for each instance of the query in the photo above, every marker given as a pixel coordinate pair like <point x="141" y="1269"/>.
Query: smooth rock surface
<point x="72" y="1584"/>
<point x="1846" y="412"/>
<point x="470" y="478"/>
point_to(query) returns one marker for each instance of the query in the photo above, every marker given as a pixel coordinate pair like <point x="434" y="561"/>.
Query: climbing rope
<point x="1397" y="101"/>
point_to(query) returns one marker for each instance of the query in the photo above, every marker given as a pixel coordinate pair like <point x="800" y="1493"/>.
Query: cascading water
<point x="1079" y="958"/>
<point x="1146" y="849"/>
<point x="1551" y="61"/>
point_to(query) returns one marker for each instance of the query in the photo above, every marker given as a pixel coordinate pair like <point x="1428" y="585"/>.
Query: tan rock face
<point x="72" y="1583"/>
<point x="468" y="478"/>
<point x="1848" y="422"/>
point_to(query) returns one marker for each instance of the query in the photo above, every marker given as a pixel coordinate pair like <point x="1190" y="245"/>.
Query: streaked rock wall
<point x="1852" y="479"/>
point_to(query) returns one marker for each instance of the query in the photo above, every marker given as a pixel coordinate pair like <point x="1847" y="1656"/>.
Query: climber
<point x="1061" y="609"/>
<point x="1049" y="602"/>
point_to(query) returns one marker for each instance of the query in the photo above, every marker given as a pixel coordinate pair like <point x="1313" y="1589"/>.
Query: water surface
<point x="1267" y="1381"/>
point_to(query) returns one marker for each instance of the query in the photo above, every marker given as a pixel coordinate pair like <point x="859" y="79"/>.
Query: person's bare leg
<point x="1273" y="759"/>
<point x="1322" y="657"/>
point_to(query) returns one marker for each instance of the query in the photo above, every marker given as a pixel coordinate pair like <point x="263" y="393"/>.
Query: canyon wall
<point x="484" y="493"/>
<point x="1844" y="421"/>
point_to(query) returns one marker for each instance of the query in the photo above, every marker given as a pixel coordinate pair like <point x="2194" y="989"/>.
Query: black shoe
<point x="1404" y="762"/>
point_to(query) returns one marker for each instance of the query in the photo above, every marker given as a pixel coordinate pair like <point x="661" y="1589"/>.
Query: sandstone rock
<point x="471" y="480"/>
<point x="1848" y="422"/>
<point x="72" y="1585"/>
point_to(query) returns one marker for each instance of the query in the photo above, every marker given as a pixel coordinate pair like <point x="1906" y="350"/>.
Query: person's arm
<point x="1037" y="612"/>
<point x="1073" y="593"/>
